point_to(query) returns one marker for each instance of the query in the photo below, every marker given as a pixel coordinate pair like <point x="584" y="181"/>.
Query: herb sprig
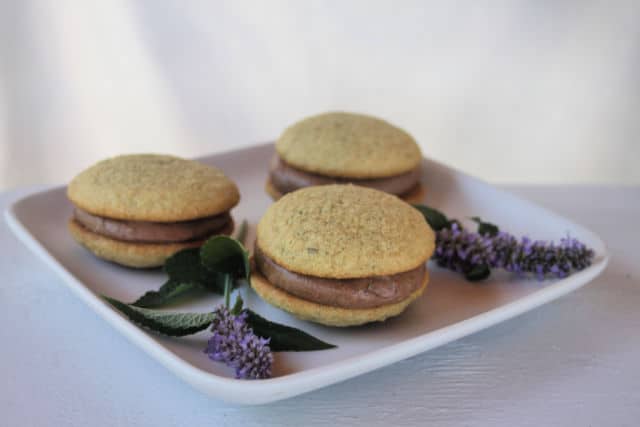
<point x="241" y="338"/>
<point x="475" y="254"/>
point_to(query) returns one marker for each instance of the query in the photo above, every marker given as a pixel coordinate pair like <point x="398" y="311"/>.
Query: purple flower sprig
<point x="474" y="254"/>
<point x="234" y="343"/>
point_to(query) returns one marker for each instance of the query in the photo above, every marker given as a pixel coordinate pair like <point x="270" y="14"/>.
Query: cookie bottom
<point x="328" y="315"/>
<point x="132" y="254"/>
<point x="415" y="195"/>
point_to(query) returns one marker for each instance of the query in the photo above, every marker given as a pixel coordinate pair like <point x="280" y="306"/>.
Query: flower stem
<point x="242" y="232"/>
<point x="227" y="290"/>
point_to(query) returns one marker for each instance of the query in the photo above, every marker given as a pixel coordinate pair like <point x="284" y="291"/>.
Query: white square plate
<point x="450" y="308"/>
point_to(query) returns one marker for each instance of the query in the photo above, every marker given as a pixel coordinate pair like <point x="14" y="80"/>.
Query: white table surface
<point x="574" y="362"/>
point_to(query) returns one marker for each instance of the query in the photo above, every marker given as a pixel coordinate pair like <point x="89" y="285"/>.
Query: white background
<point x="511" y="91"/>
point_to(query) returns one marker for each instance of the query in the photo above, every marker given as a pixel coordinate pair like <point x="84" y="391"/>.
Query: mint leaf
<point x="225" y="255"/>
<point x="284" y="338"/>
<point x="167" y="293"/>
<point x="162" y="322"/>
<point x="185" y="266"/>
<point x="485" y="228"/>
<point x="436" y="219"/>
<point x="186" y="274"/>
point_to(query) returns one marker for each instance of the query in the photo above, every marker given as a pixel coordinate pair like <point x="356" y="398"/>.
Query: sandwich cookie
<point x="341" y="255"/>
<point x="138" y="210"/>
<point x="340" y="148"/>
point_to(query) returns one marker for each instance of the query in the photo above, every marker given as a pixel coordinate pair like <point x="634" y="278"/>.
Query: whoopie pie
<point x="341" y="255"/>
<point x="138" y="210"/>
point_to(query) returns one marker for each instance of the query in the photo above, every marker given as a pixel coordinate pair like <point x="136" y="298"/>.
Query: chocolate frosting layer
<point x="366" y="292"/>
<point x="285" y="178"/>
<point x="151" y="232"/>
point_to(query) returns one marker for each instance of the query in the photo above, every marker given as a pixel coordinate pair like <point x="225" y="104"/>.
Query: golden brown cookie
<point x="131" y="254"/>
<point x="152" y="187"/>
<point x="348" y="145"/>
<point x="327" y="315"/>
<point x="344" y="231"/>
<point x="150" y="196"/>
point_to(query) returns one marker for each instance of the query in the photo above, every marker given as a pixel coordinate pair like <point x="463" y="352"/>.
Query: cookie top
<point x="348" y="145"/>
<point x="152" y="187"/>
<point x="344" y="231"/>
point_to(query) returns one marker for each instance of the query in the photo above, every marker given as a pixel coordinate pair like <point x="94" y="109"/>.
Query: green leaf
<point x="486" y="228"/>
<point x="185" y="266"/>
<point x="167" y="293"/>
<point x="186" y="274"/>
<point x="223" y="254"/>
<point x="162" y="322"/>
<point x="284" y="338"/>
<point x="436" y="219"/>
<point x="477" y="273"/>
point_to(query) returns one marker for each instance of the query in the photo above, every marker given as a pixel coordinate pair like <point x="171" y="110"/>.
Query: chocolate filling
<point x="368" y="292"/>
<point x="286" y="178"/>
<point x="152" y="232"/>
